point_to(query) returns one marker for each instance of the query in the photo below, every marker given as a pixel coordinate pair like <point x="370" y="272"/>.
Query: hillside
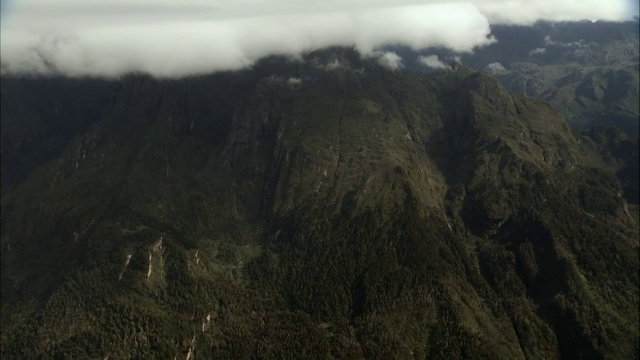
<point x="587" y="70"/>
<point x="350" y="212"/>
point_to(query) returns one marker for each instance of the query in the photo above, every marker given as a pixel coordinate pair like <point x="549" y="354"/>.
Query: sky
<point x="176" y="38"/>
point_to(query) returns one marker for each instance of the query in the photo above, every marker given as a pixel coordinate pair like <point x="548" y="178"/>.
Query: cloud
<point x="495" y="68"/>
<point x="332" y="64"/>
<point x="538" y="51"/>
<point x="456" y="59"/>
<point x="577" y="44"/>
<point x="171" y="38"/>
<point x="389" y="59"/>
<point x="527" y="12"/>
<point x="432" y="61"/>
<point x="294" y="82"/>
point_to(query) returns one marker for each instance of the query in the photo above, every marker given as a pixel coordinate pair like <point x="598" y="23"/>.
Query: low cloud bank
<point x="495" y="68"/>
<point x="174" y="39"/>
<point x="389" y="59"/>
<point x="433" y="62"/>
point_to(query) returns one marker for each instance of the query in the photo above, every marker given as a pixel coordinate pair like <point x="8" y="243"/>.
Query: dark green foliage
<point x="364" y="214"/>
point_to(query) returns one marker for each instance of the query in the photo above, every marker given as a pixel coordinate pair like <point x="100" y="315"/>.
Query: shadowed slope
<point x="355" y="213"/>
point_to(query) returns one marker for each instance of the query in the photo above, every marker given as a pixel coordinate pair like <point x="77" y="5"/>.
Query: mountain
<point x="321" y="209"/>
<point x="587" y="70"/>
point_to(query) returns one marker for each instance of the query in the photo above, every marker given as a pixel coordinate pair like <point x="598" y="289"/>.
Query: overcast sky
<point x="173" y="38"/>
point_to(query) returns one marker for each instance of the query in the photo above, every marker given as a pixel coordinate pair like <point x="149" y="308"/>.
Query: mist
<point x="172" y="39"/>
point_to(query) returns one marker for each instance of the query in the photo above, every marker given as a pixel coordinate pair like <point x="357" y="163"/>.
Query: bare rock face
<point x="351" y="213"/>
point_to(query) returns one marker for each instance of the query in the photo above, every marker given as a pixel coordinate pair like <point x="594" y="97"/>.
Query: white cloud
<point x="538" y="51"/>
<point x="456" y="59"/>
<point x="389" y="59"/>
<point x="170" y="38"/>
<point x="333" y="64"/>
<point x="578" y="44"/>
<point x="527" y="12"/>
<point x="432" y="61"/>
<point x="294" y="82"/>
<point x="495" y="68"/>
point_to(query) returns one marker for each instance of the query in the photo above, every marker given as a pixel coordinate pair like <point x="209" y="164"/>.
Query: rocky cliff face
<point x="291" y="209"/>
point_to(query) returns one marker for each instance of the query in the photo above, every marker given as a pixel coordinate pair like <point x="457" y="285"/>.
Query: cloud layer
<point x="433" y="62"/>
<point x="173" y="38"/>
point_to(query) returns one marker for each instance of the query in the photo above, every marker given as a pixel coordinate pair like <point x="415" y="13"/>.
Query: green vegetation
<point x="363" y="214"/>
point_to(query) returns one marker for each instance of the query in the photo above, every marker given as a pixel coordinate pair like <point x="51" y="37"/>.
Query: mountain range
<point x="587" y="70"/>
<point x="325" y="209"/>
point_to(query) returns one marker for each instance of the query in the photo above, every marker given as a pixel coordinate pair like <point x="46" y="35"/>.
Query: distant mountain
<point x="587" y="70"/>
<point x="322" y="209"/>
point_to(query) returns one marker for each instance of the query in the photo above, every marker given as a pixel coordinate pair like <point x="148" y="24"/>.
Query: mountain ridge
<point x="354" y="213"/>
